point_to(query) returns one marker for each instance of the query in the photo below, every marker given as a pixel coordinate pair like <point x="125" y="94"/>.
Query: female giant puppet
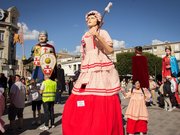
<point x="169" y="64"/>
<point x="94" y="108"/>
<point x="37" y="51"/>
<point x="170" y="68"/>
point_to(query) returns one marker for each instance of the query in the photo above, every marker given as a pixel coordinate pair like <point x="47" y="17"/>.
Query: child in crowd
<point x="165" y="90"/>
<point x="36" y="99"/>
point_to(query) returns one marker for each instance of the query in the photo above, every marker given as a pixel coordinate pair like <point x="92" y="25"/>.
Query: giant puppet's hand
<point x="27" y="61"/>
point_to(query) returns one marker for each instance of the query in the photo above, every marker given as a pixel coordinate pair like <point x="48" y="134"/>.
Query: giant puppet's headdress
<point x="95" y="13"/>
<point x="168" y="47"/>
<point x="138" y="49"/>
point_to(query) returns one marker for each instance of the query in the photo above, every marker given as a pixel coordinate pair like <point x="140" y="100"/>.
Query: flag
<point x="21" y="35"/>
<point x="16" y="38"/>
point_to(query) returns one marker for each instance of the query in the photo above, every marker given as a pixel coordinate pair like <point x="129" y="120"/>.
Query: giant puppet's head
<point x="43" y="37"/>
<point x="168" y="50"/>
<point x="93" y="18"/>
<point x="138" y="50"/>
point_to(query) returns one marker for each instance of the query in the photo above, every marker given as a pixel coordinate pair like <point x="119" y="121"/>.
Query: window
<point x="74" y="67"/>
<point x="13" y="20"/>
<point x="1" y="54"/>
<point x="79" y="66"/>
<point x="1" y="36"/>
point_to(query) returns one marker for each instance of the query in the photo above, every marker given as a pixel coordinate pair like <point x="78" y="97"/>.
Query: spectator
<point x="174" y="87"/>
<point x="2" y="107"/>
<point x="48" y="90"/>
<point x="10" y="82"/>
<point x="60" y="83"/>
<point x="17" y="103"/>
<point x="3" y="82"/>
<point x="123" y="84"/>
<point x="36" y="102"/>
<point x="167" y="93"/>
<point x="152" y="88"/>
<point x="70" y="85"/>
<point x="129" y="85"/>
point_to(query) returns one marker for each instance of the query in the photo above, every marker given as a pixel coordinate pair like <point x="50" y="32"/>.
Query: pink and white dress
<point x="137" y="113"/>
<point x="94" y="106"/>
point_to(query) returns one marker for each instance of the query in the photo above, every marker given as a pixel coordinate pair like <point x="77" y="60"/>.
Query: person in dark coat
<point x="60" y="83"/>
<point x="3" y="83"/>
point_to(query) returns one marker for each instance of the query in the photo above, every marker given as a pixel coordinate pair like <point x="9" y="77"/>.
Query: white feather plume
<point x="107" y="9"/>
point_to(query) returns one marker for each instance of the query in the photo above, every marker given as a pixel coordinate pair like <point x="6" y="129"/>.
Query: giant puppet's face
<point x="42" y="38"/>
<point x="91" y="21"/>
<point x="168" y="52"/>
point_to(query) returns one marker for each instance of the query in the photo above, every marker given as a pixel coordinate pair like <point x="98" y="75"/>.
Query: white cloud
<point x="156" y="41"/>
<point x="118" y="44"/>
<point x="77" y="49"/>
<point x="28" y="34"/>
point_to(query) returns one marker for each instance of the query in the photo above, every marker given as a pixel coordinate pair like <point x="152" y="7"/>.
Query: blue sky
<point x="130" y="22"/>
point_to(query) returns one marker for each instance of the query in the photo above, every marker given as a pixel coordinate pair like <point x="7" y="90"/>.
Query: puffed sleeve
<point x="106" y="37"/>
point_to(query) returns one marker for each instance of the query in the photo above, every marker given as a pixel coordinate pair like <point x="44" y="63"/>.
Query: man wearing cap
<point x="37" y="51"/>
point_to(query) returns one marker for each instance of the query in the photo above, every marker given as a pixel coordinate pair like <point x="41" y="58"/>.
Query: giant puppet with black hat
<point x="44" y="59"/>
<point x="140" y="68"/>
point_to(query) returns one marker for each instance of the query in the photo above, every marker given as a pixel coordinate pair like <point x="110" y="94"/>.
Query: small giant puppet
<point x="170" y="69"/>
<point x="169" y="64"/>
<point x="44" y="59"/>
<point x="140" y="68"/>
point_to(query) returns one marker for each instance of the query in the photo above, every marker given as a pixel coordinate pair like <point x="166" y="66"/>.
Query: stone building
<point x="8" y="26"/>
<point x="157" y="49"/>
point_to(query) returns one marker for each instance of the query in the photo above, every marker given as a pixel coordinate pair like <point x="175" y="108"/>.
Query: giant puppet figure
<point x="42" y="55"/>
<point x="169" y="64"/>
<point x="94" y="107"/>
<point x="140" y="68"/>
<point x="170" y="69"/>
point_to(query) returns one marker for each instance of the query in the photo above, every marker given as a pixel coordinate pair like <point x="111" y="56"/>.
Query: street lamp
<point x="11" y="69"/>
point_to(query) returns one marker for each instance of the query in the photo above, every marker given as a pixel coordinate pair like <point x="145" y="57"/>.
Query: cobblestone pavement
<point x="160" y="122"/>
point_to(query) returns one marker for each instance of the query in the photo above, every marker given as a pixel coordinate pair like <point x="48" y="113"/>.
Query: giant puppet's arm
<point x="163" y="67"/>
<point x="103" y="39"/>
<point x="174" y="66"/>
<point x="108" y="49"/>
<point x="30" y="59"/>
